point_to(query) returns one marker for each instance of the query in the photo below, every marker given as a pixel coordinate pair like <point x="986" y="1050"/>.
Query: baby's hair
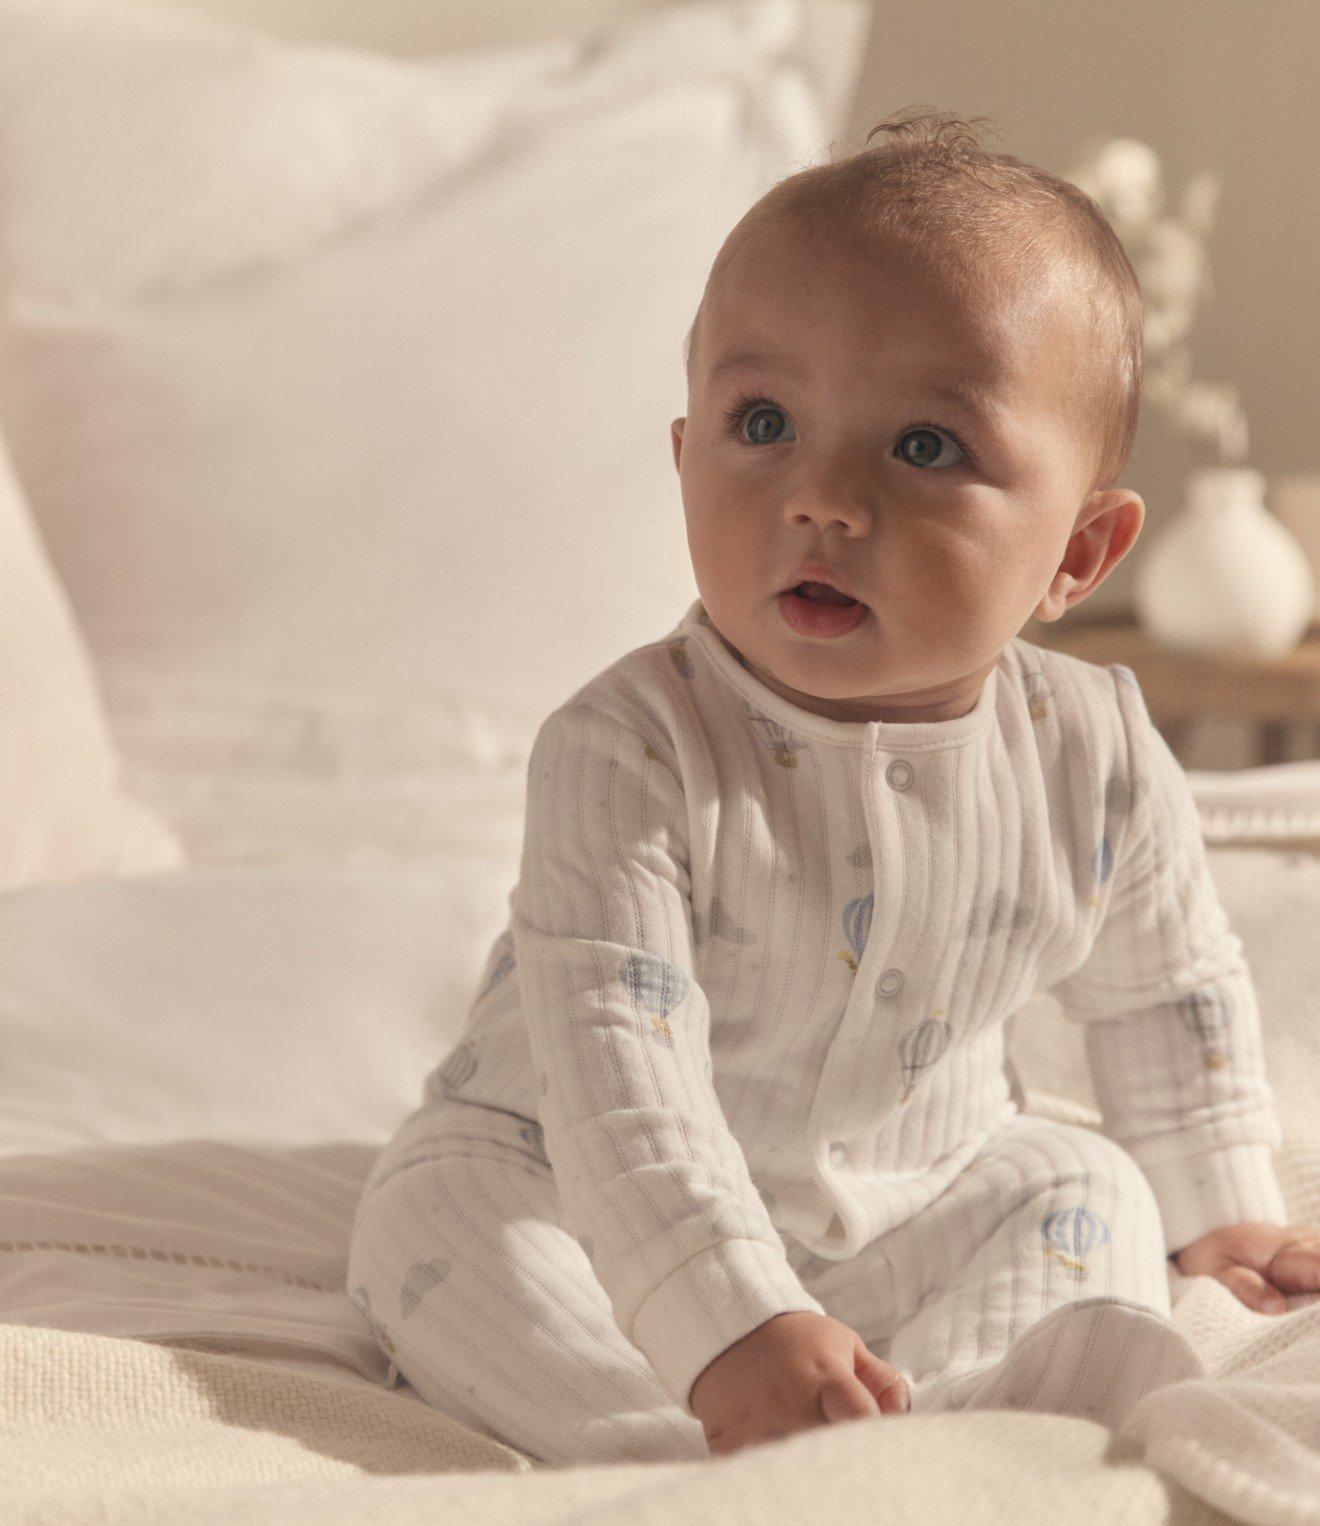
<point x="981" y="222"/>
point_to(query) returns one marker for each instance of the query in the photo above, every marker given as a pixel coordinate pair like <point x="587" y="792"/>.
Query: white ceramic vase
<point x="1226" y="576"/>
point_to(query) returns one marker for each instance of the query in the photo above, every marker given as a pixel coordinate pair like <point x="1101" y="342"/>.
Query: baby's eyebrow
<point x="738" y="358"/>
<point x="976" y="398"/>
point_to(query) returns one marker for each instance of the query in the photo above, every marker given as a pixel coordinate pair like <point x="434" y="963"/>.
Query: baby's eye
<point x="923" y="458"/>
<point x="752" y="420"/>
<point x="760" y="415"/>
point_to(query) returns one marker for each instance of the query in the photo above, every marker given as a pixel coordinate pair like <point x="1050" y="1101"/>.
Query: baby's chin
<point x="859" y="691"/>
<point x="819" y="684"/>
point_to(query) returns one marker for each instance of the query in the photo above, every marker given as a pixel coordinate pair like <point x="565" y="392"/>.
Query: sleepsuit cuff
<point x="1211" y="1190"/>
<point x="712" y="1300"/>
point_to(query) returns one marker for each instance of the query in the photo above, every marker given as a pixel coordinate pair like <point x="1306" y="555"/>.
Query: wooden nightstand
<point x="1184" y="687"/>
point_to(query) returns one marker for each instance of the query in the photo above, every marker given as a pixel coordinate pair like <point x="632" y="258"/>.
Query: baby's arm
<point x="651" y="1179"/>
<point x="1172" y="1029"/>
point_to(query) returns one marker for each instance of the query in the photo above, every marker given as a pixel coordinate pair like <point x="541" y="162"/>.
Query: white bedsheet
<point x="200" y="1066"/>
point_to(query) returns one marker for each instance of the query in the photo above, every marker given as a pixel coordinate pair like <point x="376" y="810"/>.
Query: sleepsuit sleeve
<point x="651" y="1180"/>
<point x="1172" y="1030"/>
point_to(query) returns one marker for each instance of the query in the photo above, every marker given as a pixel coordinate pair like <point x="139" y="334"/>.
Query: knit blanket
<point x="97" y="1428"/>
<point x="101" y="1429"/>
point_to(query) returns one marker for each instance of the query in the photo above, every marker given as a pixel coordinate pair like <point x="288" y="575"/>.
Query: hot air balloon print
<point x="784" y="744"/>
<point x="1118" y="804"/>
<point x="1102" y="866"/>
<point x="922" y="1046"/>
<point x="1205" y="1013"/>
<point x="678" y="654"/>
<point x="532" y="1135"/>
<point x="460" y="1067"/>
<point x="503" y="961"/>
<point x="655" y="984"/>
<point x="857" y="928"/>
<point x="1038" y="693"/>
<point x="1071" y="1234"/>
<point x="998" y="914"/>
<point x="422" y="1277"/>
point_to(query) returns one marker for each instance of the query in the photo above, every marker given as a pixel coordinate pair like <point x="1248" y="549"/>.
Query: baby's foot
<point x="1094" y="1357"/>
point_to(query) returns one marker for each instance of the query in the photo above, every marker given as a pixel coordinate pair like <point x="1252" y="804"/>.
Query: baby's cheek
<point x="948" y="569"/>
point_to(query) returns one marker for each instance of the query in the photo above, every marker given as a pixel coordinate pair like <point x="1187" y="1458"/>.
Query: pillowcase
<point x="1279" y="803"/>
<point x="63" y="814"/>
<point x="341" y="385"/>
<point x="187" y="1117"/>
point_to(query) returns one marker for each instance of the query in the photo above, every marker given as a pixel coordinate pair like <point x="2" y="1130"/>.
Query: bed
<point x="271" y="301"/>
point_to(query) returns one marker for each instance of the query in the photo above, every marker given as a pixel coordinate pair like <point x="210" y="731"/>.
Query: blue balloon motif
<point x="422" y="1277"/>
<point x="533" y="1135"/>
<point x="1102" y="866"/>
<point x="857" y="928"/>
<point x="459" y="1068"/>
<point x="504" y="961"/>
<point x="1038" y="694"/>
<point x="1071" y="1234"/>
<point x="921" y="1046"/>
<point x="678" y="654"/>
<point x="781" y="739"/>
<point x="1206" y="1014"/>
<point x="655" y="984"/>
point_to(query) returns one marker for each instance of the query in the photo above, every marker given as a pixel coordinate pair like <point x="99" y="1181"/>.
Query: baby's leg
<point x="1045" y="1282"/>
<point x="460" y="1261"/>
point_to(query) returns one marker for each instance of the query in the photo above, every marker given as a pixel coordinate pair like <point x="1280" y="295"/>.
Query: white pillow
<point x="199" y="1070"/>
<point x="63" y="815"/>
<point x="341" y="385"/>
<point x="1278" y="803"/>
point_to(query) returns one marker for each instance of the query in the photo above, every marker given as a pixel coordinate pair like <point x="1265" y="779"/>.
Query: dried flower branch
<point x="1125" y="180"/>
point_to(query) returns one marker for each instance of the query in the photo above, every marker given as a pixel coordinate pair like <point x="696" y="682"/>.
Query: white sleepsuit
<point x="741" y="1050"/>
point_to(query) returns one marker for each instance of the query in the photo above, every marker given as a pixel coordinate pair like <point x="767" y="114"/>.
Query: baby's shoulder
<point x="639" y="695"/>
<point x="1079" y="711"/>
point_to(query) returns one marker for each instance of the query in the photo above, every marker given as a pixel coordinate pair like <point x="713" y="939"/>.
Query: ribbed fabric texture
<point x="759" y="962"/>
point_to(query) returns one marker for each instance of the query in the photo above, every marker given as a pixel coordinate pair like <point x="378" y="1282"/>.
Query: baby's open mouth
<point x="820" y="610"/>
<point x="821" y="593"/>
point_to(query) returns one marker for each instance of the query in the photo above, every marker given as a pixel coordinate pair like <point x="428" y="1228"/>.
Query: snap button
<point x="837" y="1154"/>
<point x="899" y="773"/>
<point x="890" y="982"/>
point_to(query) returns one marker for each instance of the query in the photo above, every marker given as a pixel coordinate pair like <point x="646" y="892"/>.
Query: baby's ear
<point x="1110" y="523"/>
<point x="676" y="438"/>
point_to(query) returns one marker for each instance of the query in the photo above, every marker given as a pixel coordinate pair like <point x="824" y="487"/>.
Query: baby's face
<point x="816" y="430"/>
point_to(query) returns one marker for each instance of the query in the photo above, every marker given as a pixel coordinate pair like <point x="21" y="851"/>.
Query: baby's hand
<point x="1258" y="1262"/>
<point x="792" y="1373"/>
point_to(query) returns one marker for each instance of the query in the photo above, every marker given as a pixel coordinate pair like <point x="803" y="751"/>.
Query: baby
<point x="730" y="1146"/>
